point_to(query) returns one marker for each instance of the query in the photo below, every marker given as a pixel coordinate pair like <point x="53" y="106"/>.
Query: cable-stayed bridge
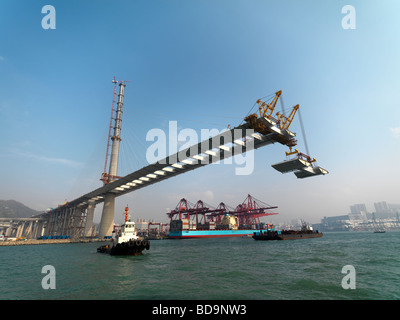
<point x="75" y="218"/>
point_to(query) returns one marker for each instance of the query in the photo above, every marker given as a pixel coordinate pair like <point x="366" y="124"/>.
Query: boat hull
<point x="129" y="248"/>
<point x="291" y="235"/>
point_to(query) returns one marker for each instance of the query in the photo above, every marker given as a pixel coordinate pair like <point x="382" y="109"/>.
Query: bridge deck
<point x="229" y="143"/>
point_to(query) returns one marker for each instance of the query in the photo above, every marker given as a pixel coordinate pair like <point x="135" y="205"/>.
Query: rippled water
<point x="228" y="268"/>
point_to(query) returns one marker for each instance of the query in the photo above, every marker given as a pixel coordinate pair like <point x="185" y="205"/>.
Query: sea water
<point x="225" y="268"/>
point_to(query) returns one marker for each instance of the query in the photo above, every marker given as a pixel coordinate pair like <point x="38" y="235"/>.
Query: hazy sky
<point x="203" y="64"/>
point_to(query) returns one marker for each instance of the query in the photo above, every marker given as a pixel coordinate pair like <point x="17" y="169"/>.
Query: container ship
<point x="202" y="221"/>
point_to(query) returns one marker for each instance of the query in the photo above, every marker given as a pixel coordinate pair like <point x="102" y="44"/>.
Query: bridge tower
<point x="107" y="217"/>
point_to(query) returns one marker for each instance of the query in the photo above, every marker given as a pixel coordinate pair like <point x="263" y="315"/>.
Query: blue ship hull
<point x="209" y="233"/>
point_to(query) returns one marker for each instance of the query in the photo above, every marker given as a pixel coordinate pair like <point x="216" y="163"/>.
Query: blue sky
<point x="203" y="64"/>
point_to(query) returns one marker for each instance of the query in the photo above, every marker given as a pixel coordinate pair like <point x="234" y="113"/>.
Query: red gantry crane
<point x="247" y="213"/>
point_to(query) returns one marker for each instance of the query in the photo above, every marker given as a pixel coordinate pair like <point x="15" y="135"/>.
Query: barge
<point x="306" y="232"/>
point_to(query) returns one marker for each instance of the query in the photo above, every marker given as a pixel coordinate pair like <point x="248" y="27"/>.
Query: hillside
<point x="15" y="209"/>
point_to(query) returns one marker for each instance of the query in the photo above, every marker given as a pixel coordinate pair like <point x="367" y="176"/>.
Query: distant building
<point x="336" y="223"/>
<point x="394" y="207"/>
<point x="381" y="206"/>
<point x="385" y="210"/>
<point x="359" y="219"/>
<point x="358" y="212"/>
<point x="142" y="224"/>
<point x="358" y="208"/>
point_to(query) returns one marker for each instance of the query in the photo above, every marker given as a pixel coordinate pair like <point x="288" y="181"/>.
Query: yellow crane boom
<point x="285" y="122"/>
<point x="265" y="109"/>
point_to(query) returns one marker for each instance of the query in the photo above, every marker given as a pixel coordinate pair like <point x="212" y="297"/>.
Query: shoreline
<point x="49" y="241"/>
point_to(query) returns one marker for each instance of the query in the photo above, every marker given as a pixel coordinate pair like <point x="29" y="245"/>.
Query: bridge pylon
<point x="107" y="217"/>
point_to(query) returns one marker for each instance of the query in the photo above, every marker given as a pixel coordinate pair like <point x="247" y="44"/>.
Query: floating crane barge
<point x="306" y="232"/>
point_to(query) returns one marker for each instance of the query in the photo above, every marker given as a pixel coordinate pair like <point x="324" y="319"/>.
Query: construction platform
<point x="310" y="172"/>
<point x="302" y="169"/>
<point x="290" y="165"/>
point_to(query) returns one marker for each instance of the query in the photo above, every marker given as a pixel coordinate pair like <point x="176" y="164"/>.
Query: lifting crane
<point x="285" y="122"/>
<point x="267" y="124"/>
<point x="265" y="109"/>
<point x="302" y="164"/>
<point x="300" y="155"/>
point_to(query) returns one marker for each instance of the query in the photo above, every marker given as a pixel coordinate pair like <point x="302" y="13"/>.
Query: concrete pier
<point x="107" y="218"/>
<point x="89" y="219"/>
<point x="22" y="227"/>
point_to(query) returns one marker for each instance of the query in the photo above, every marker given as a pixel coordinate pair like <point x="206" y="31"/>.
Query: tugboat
<point x="306" y="232"/>
<point x="125" y="240"/>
